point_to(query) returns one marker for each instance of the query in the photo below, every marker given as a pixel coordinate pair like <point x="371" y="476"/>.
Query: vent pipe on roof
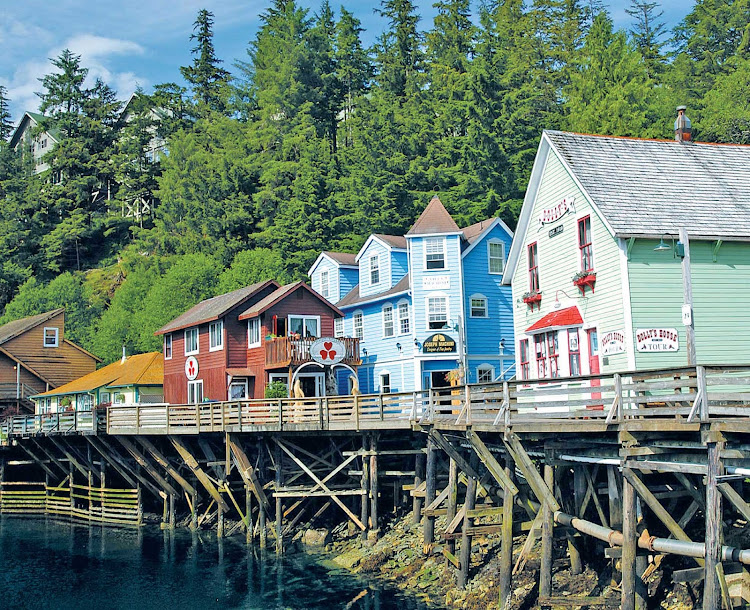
<point x="124" y="357"/>
<point x="682" y="127"/>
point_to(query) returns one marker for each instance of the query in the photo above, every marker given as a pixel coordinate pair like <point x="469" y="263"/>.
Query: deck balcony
<point x="286" y="351"/>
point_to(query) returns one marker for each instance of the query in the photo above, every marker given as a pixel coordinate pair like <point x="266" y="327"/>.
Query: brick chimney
<point x="682" y="126"/>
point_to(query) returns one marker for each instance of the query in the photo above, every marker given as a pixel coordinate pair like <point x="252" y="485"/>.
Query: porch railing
<point x="285" y="351"/>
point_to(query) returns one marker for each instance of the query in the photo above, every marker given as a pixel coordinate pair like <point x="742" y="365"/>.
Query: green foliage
<point x="6" y="124"/>
<point x="252" y="266"/>
<point x="276" y="389"/>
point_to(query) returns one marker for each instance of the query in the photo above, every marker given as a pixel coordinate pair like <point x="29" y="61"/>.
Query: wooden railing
<point x="284" y="351"/>
<point x="13" y="391"/>
<point x="682" y="395"/>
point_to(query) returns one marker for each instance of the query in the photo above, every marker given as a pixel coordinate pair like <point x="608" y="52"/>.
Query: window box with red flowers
<point x="584" y="279"/>
<point x="531" y="298"/>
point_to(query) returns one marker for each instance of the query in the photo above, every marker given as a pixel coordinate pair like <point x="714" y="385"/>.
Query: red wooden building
<point x="231" y="346"/>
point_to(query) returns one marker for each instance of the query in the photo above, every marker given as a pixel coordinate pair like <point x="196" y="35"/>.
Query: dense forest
<point x="313" y="141"/>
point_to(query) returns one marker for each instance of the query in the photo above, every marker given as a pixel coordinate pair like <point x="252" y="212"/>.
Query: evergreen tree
<point x="352" y="65"/>
<point x="647" y="34"/>
<point x="725" y="116"/>
<point x="6" y="124"/>
<point x="329" y="94"/>
<point x="399" y="52"/>
<point x="208" y="80"/>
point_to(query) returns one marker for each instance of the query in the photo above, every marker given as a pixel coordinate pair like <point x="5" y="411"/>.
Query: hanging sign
<point x="613" y="342"/>
<point x="556" y="231"/>
<point x="436" y="282"/>
<point x="191" y="368"/>
<point x="657" y="340"/>
<point x="327" y="350"/>
<point x="556" y="212"/>
<point x="438" y="343"/>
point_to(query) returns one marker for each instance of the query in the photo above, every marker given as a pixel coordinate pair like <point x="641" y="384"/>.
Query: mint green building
<point x="595" y="263"/>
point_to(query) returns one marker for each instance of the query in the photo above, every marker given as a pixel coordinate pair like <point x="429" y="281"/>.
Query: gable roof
<point x="394" y="241"/>
<point x="13" y="329"/>
<point x="281" y="293"/>
<point x="140" y="369"/>
<point x="53" y="132"/>
<point x="342" y="259"/>
<point x="353" y="298"/>
<point x="214" y="308"/>
<point x="651" y="188"/>
<point x="476" y="232"/>
<point x="434" y="220"/>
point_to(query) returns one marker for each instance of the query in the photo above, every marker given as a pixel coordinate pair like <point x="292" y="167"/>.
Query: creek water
<point x="49" y="565"/>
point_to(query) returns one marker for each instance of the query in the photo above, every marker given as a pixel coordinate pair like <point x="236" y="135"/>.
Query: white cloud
<point x="92" y="48"/>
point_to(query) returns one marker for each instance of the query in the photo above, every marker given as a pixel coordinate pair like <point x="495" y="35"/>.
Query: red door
<point x="593" y="341"/>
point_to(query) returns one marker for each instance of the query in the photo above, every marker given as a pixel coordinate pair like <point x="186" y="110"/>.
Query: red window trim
<point x="553" y="346"/>
<point x="576" y="353"/>
<point x="533" y="269"/>
<point x="582" y="246"/>
<point x="523" y="350"/>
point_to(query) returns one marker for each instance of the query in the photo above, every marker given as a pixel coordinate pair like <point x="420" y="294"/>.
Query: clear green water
<point x="51" y="565"/>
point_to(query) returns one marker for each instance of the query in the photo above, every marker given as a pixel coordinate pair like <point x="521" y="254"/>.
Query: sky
<point x="129" y="44"/>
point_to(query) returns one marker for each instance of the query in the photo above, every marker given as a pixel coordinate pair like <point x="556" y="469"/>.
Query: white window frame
<point x="219" y="346"/>
<point x="324" y="284"/>
<point x="237" y="383"/>
<point x="484" y="367"/>
<point x="388" y="307"/>
<point x="371" y="269"/>
<point x="56" y="342"/>
<point x="282" y="377"/>
<point x="250" y="323"/>
<point x="495" y="242"/>
<point x="304" y="319"/>
<point x="479" y="297"/>
<point x="434" y="240"/>
<point x="197" y="383"/>
<point x="380" y="382"/>
<point x="197" y="340"/>
<point x="359" y="330"/>
<point x="168" y="346"/>
<point x="102" y="395"/>
<point x="402" y="318"/>
<point x="436" y="295"/>
<point x="338" y="327"/>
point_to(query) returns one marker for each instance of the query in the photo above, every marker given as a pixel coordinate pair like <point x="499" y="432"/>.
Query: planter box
<point x="583" y="282"/>
<point x="534" y="299"/>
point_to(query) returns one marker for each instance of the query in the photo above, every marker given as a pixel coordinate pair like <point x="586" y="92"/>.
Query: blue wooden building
<point x="424" y="304"/>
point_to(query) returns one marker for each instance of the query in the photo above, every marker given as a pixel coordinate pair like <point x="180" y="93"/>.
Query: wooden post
<point x="374" y="485"/>
<point x="279" y="507"/>
<point x="419" y="463"/>
<point x="249" y="513"/>
<point x="506" y="553"/>
<point x="452" y="500"/>
<point x="711" y="588"/>
<point x="194" y="507"/>
<point x="545" y="569"/>
<point x="469" y="503"/>
<point x="171" y="512"/>
<point x="365" y="505"/>
<point x="634" y="594"/>
<point x="430" y="489"/>
<point x="615" y="512"/>
<point x="262" y="516"/>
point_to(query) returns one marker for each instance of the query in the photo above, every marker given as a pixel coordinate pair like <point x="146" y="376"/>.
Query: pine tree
<point x="399" y="53"/>
<point x="647" y="34"/>
<point x="352" y="65"/>
<point x="6" y="124"/>
<point x="209" y="81"/>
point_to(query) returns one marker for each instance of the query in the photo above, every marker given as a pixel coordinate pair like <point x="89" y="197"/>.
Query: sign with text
<point x="687" y="315"/>
<point x="657" y="340"/>
<point x="436" y="282"/>
<point x="556" y="212"/>
<point x="613" y="342"/>
<point x="191" y="368"/>
<point x="327" y="350"/>
<point x="439" y="343"/>
<point x="556" y="231"/>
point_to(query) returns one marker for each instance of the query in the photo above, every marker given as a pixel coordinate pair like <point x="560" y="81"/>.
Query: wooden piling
<point x="171" y="512"/>
<point x="545" y="569"/>
<point x="419" y="467"/>
<point x="374" y="485"/>
<point x="615" y="513"/>
<point x="469" y="504"/>
<point x="452" y="501"/>
<point x="194" y="506"/>
<point x="430" y="490"/>
<point x="711" y="585"/>
<point x="279" y="456"/>
<point x="629" y="547"/>
<point x="365" y="482"/>
<point x="505" y="571"/>
<point x="249" y="512"/>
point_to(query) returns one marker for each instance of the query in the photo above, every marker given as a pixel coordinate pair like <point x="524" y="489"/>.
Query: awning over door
<point x="562" y="318"/>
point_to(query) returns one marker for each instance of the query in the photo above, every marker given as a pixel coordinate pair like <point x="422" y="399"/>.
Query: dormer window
<point x="434" y="252"/>
<point x="374" y="270"/>
<point x="324" y="289"/>
<point x="51" y="336"/>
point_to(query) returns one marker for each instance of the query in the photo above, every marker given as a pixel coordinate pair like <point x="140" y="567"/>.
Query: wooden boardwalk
<point x="640" y="461"/>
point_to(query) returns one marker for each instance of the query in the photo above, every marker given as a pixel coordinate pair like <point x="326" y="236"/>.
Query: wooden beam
<point x="735" y="499"/>
<point x="533" y="478"/>
<point x="506" y="556"/>
<point x="164" y="462"/>
<point x="712" y="593"/>
<point x="492" y="465"/>
<point x="428" y="531"/>
<point x="463" y="465"/>
<point x="71" y="458"/>
<point x="112" y="456"/>
<point x="192" y="463"/>
<point x="52" y="458"/>
<point x="41" y="463"/>
<point x="145" y="464"/>
<point x="247" y="472"/>
<point x="545" y="568"/>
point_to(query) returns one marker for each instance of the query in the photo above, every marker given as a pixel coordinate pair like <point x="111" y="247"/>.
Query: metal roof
<point x="649" y="188"/>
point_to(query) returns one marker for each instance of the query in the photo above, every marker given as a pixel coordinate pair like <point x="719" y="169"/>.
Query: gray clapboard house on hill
<point x="27" y="139"/>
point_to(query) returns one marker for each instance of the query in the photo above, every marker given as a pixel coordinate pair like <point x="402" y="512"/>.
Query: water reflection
<point x="49" y="564"/>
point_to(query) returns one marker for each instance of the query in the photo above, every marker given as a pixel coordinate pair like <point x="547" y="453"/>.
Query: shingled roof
<point x="394" y="241"/>
<point x="214" y="308"/>
<point x="650" y="188"/>
<point x="353" y="297"/>
<point x="434" y="219"/>
<point x="343" y="258"/>
<point x="279" y="294"/>
<point x="18" y="327"/>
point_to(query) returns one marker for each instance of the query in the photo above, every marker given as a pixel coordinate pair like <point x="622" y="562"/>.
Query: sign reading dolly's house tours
<point x="438" y="343"/>
<point x="657" y="340"/>
<point x="613" y="342"/>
